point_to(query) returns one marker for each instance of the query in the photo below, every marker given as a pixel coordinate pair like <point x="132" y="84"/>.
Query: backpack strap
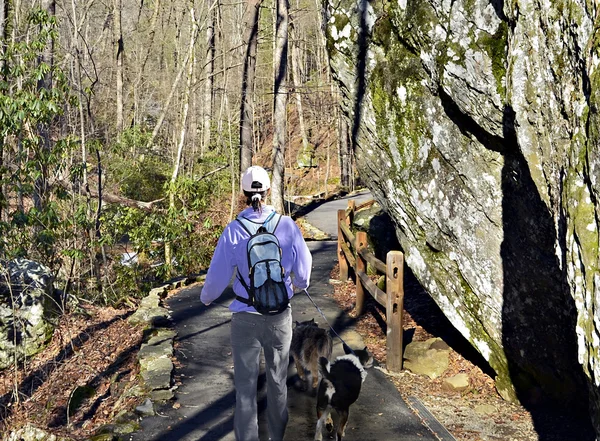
<point x="246" y="287"/>
<point x="252" y="227"/>
<point x="272" y="222"/>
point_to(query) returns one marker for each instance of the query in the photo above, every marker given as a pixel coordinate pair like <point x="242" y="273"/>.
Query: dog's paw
<point x="329" y="425"/>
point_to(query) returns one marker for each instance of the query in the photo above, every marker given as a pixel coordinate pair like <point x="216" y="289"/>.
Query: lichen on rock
<point x="477" y="132"/>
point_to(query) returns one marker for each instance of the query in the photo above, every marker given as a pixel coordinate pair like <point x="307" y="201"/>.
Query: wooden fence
<point x="353" y="253"/>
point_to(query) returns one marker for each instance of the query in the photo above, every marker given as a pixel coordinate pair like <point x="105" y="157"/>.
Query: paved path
<point x="324" y="217"/>
<point x="204" y="401"/>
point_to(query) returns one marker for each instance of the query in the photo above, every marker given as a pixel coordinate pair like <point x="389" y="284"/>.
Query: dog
<point x="309" y="343"/>
<point x="340" y="387"/>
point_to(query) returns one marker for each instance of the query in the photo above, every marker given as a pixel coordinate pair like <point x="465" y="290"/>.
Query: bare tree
<point x="184" y="117"/>
<point x="167" y="104"/>
<point x="305" y="157"/>
<point x="280" y="105"/>
<point x="142" y="67"/>
<point x="209" y="84"/>
<point x="345" y="150"/>
<point x="4" y="27"/>
<point x="45" y="83"/>
<point x="251" y="16"/>
<point x="119" y="64"/>
<point x="4" y="8"/>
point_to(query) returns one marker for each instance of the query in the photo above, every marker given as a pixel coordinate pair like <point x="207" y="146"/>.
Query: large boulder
<point x="476" y="128"/>
<point x="26" y="306"/>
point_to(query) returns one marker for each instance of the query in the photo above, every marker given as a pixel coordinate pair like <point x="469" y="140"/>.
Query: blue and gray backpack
<point x="267" y="292"/>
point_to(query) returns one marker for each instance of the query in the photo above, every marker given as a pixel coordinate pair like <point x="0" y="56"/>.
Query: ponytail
<point x="255" y="199"/>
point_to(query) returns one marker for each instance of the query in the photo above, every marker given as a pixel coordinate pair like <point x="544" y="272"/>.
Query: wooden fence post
<point x="351" y="209"/>
<point x="341" y="256"/>
<point x="361" y="267"/>
<point x="394" y="309"/>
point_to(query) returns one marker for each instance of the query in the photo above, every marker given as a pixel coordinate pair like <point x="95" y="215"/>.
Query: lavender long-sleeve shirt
<point x="231" y="254"/>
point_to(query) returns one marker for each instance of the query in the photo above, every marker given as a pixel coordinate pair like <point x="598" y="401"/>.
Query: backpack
<point x="267" y="292"/>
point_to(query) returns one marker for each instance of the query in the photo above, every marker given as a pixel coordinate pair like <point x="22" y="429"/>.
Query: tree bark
<point x="250" y="41"/>
<point x="280" y="104"/>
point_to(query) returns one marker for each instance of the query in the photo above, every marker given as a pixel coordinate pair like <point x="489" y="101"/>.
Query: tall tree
<point x="142" y="68"/>
<point x="119" y="64"/>
<point x="4" y="26"/>
<point x="45" y="84"/>
<point x="251" y="16"/>
<point x="4" y="8"/>
<point x="280" y="105"/>
<point x="305" y="157"/>
<point x="345" y="150"/>
<point x="183" y="132"/>
<point x="209" y="69"/>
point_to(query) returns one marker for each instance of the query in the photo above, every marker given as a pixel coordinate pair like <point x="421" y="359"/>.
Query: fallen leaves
<point x="96" y="351"/>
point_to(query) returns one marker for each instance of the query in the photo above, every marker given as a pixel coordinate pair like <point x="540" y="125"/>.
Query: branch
<point x="121" y="200"/>
<point x="127" y="202"/>
<point x="113" y="198"/>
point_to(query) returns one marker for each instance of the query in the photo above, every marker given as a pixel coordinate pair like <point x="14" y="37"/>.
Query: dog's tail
<point x="324" y="368"/>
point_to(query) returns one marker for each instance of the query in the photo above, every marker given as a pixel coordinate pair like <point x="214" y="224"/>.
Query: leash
<point x="325" y="318"/>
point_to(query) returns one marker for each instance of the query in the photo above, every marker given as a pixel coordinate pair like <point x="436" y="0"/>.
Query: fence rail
<point x="353" y="253"/>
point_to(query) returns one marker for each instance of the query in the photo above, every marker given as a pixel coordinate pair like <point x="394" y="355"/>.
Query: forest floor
<point x="85" y="378"/>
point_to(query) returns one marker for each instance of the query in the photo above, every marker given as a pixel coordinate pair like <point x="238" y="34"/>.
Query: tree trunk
<point x="251" y="16"/>
<point x="167" y="104"/>
<point x="182" y="134"/>
<point x="209" y="85"/>
<point x="78" y="81"/>
<point x="142" y="69"/>
<point x="4" y="8"/>
<point x="306" y="154"/>
<point x="280" y="104"/>
<point x="45" y="83"/>
<point x="4" y="27"/>
<point x="119" y="66"/>
<point x="345" y="155"/>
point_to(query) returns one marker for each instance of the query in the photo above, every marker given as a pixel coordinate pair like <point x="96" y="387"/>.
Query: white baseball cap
<point x="255" y="179"/>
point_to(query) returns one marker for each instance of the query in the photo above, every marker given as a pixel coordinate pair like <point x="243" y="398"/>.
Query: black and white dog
<point x="339" y="388"/>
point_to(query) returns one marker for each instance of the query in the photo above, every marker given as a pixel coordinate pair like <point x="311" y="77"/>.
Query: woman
<point x="251" y="331"/>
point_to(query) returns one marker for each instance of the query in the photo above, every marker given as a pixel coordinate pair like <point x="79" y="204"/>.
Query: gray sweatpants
<point x="250" y="333"/>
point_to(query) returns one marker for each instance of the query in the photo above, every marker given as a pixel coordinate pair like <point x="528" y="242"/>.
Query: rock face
<point x="26" y="299"/>
<point x="476" y="128"/>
